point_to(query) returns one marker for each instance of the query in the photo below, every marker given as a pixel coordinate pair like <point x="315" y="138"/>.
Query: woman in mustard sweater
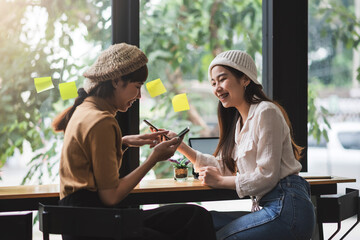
<point x="93" y="147"/>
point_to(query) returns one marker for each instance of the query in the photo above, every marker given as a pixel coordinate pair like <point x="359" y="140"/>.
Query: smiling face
<point x="126" y="94"/>
<point x="227" y="87"/>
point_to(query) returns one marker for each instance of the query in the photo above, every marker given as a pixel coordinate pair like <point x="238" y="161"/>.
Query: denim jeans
<point x="287" y="213"/>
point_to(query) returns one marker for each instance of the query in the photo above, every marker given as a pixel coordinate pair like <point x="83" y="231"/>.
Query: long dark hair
<point x="103" y="90"/>
<point x="228" y="118"/>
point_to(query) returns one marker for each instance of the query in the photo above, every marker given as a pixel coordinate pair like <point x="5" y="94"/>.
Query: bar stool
<point x="336" y="208"/>
<point x="90" y="222"/>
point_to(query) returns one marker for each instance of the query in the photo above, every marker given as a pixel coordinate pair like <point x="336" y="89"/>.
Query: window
<point x="180" y="39"/>
<point x="334" y="89"/>
<point x="56" y="39"/>
<point x="312" y="142"/>
<point x="350" y="140"/>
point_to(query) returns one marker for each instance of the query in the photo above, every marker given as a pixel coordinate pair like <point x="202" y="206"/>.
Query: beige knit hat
<point x="238" y="60"/>
<point x="116" y="61"/>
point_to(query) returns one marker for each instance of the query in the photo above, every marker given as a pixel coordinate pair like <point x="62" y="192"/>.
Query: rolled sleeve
<point x="204" y="160"/>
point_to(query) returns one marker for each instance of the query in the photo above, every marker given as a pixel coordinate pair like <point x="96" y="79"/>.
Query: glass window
<point x="56" y="39"/>
<point x="334" y="89"/>
<point x="181" y="38"/>
<point x="312" y="142"/>
<point x="350" y="140"/>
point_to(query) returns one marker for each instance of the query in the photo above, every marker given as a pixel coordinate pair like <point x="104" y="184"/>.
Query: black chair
<point x="335" y="208"/>
<point x="16" y="226"/>
<point x="90" y="222"/>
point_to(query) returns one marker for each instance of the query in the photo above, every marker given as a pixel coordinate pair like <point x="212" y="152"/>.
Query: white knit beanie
<point x="238" y="60"/>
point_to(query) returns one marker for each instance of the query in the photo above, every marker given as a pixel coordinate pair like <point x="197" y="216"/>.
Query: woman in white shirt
<point x="256" y="156"/>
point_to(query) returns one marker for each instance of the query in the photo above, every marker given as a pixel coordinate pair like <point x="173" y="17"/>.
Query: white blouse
<point x="263" y="152"/>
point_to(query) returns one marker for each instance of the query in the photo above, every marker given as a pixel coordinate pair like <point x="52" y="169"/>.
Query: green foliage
<point x="336" y="14"/>
<point x="317" y="117"/>
<point x="37" y="40"/>
<point x="334" y="27"/>
<point x="186" y="35"/>
<point x="181" y="38"/>
<point x="182" y="162"/>
<point x="49" y="160"/>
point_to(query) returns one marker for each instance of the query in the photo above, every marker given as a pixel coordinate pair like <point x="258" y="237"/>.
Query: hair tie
<point x="82" y="93"/>
<point x="80" y="99"/>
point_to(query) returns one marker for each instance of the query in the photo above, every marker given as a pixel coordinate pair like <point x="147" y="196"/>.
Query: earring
<point x="244" y="88"/>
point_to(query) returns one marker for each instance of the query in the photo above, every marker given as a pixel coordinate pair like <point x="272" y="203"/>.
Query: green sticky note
<point x="68" y="90"/>
<point x="43" y="84"/>
<point x="180" y="103"/>
<point x="155" y="87"/>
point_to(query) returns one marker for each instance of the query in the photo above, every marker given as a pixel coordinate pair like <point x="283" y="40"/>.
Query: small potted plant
<point x="180" y="168"/>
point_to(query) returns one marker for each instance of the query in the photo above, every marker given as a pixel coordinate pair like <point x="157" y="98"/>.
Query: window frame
<point x="126" y="28"/>
<point x="285" y="34"/>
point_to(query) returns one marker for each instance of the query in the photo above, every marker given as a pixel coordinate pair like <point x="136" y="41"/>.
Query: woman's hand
<point x="169" y="135"/>
<point x="210" y="176"/>
<point x="165" y="150"/>
<point x="151" y="139"/>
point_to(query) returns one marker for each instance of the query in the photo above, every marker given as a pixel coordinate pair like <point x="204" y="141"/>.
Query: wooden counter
<point x="19" y="198"/>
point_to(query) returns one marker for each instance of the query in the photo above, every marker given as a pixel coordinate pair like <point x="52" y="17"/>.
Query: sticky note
<point x="68" y="90"/>
<point x="180" y="103"/>
<point x="155" y="88"/>
<point x="43" y="84"/>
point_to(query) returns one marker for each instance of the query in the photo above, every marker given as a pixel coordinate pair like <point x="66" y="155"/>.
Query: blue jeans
<point x="287" y="213"/>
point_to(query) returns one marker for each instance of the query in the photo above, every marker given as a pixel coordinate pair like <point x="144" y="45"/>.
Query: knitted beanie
<point x="238" y="60"/>
<point x="116" y="61"/>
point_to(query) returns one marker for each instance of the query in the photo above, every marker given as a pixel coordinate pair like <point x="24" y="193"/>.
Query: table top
<point x="332" y="180"/>
<point x="145" y="186"/>
<point x="29" y="191"/>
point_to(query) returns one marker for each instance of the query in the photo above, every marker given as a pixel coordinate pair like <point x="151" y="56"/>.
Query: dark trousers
<point x="180" y="221"/>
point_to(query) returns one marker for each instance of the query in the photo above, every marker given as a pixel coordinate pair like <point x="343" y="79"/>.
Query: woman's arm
<point x="188" y="152"/>
<point x="143" y="139"/>
<point x="211" y="176"/>
<point x="161" y="152"/>
<point x="184" y="149"/>
<point x="126" y="184"/>
<point x="199" y="159"/>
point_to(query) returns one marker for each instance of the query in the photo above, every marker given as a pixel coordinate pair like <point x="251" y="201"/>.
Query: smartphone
<point x="149" y="123"/>
<point x="156" y="129"/>
<point x="183" y="132"/>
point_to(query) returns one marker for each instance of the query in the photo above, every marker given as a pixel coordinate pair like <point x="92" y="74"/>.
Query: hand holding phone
<point x="181" y="134"/>
<point x="155" y="128"/>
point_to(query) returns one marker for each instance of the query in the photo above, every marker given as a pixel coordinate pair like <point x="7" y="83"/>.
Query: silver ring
<point x="155" y="142"/>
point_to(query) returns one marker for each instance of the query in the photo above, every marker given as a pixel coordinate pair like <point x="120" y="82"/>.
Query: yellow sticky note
<point x="155" y="87"/>
<point x="68" y="90"/>
<point x="180" y="103"/>
<point x="43" y="84"/>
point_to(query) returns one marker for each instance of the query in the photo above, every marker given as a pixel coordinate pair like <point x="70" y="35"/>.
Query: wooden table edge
<point x="192" y="185"/>
<point x="332" y="180"/>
